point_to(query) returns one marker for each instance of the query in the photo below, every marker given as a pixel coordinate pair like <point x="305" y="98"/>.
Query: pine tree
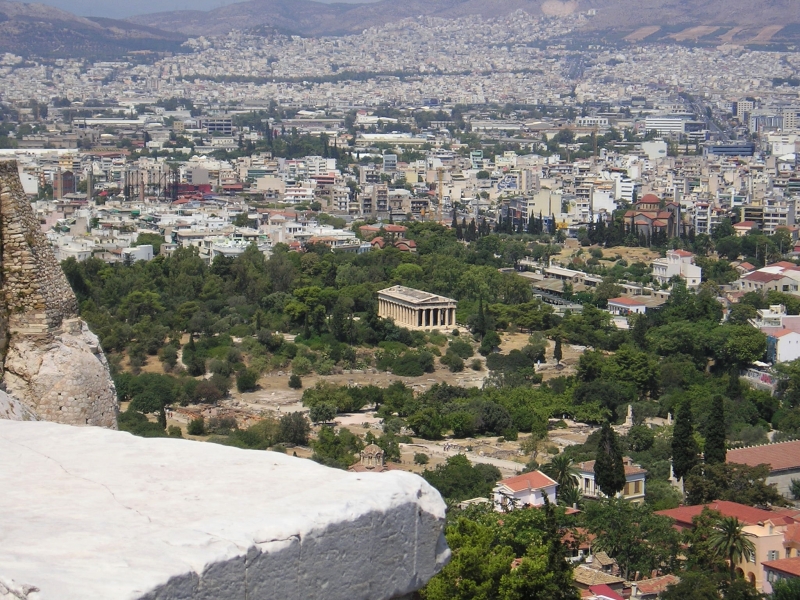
<point x="715" y="433"/>
<point x="609" y="471"/>
<point x="557" y="354"/>
<point x="684" y="446"/>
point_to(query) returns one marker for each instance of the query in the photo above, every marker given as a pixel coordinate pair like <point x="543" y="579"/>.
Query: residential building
<point x="677" y="263"/>
<point x="634" y="489"/>
<point x="528" y="489"/>
<point x="772" y="533"/>
<point x="783" y="459"/>
<point x="624" y="306"/>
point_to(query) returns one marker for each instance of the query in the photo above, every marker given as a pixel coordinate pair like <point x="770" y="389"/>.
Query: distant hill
<point x="702" y="21"/>
<point x="44" y="31"/>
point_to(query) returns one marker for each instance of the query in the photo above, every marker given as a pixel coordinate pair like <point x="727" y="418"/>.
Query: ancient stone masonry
<point x="51" y="362"/>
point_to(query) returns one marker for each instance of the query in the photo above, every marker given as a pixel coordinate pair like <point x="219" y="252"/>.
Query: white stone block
<point x="90" y="513"/>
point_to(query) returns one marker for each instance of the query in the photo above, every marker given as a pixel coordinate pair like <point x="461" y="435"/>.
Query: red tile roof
<point x="683" y="515"/>
<point x="627" y="301"/>
<point x="790" y="566"/>
<point x="763" y="277"/>
<point x="535" y="480"/>
<point x="780" y="457"/>
<point x="656" y="585"/>
<point x="682" y="253"/>
<point x="604" y="591"/>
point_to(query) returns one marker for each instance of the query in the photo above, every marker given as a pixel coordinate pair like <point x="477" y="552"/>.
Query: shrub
<point x="295" y="382"/>
<point x="301" y="366"/>
<point x="196" y="426"/>
<point x="174" y="431"/>
<point x="454" y="362"/>
<point x="421" y="458"/>
<point x="246" y="380"/>
<point x="476" y="365"/>
<point x="461" y="348"/>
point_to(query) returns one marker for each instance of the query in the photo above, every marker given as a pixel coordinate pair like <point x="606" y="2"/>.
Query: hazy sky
<point x="119" y="9"/>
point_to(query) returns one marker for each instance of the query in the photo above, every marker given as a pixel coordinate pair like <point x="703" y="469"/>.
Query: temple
<point x="416" y="309"/>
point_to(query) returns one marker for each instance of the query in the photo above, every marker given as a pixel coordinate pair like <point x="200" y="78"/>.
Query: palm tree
<point x="562" y="471"/>
<point x="729" y="540"/>
<point x="570" y="497"/>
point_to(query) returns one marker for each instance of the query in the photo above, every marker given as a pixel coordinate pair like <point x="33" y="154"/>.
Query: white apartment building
<point x="678" y="263"/>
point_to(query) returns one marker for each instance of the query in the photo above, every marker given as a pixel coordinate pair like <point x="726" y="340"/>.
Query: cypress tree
<point x="684" y="446"/>
<point x="609" y="471"/>
<point x="480" y="321"/>
<point x="715" y="433"/>
<point x="557" y="354"/>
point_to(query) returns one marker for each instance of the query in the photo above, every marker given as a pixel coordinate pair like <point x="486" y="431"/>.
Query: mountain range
<point x="36" y="29"/>
<point x="44" y="31"/>
<point x="711" y="21"/>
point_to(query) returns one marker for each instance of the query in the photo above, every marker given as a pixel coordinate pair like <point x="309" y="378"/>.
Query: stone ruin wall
<point x="51" y="362"/>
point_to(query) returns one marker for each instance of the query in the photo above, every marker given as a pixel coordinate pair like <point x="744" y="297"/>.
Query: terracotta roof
<point x="589" y="577"/>
<point x="792" y="534"/>
<point x="649" y="199"/>
<point x="581" y="538"/>
<point x="749" y="515"/>
<point x="604" y="591"/>
<point x="745" y="225"/>
<point x="626" y="301"/>
<point x="535" y="480"/>
<point x="762" y="277"/>
<point x="790" y="566"/>
<point x="780" y="457"/>
<point x="682" y="253"/>
<point x="657" y="584"/>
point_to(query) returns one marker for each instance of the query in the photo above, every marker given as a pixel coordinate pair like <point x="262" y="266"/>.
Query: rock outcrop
<point x="93" y="513"/>
<point x="51" y="362"/>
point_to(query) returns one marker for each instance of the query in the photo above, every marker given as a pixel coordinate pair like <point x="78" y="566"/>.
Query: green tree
<point x="714" y="451"/>
<point x="786" y="589"/>
<point x="729" y="540"/>
<point x="294" y="429"/>
<point x="246" y="380"/>
<point x="322" y="413"/>
<point x="695" y="585"/>
<point x="638" y="539"/>
<point x="609" y="470"/>
<point x="339" y="450"/>
<point x="557" y="353"/>
<point x="295" y="382"/>
<point x="562" y="470"/>
<point x="732" y="482"/>
<point x="684" y="446"/>
<point x="457" y="479"/>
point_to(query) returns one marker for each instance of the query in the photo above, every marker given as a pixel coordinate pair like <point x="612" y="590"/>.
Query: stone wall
<point x="51" y="362"/>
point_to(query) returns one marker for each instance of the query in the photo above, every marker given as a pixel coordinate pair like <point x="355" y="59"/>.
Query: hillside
<point x="714" y="21"/>
<point x="44" y="31"/>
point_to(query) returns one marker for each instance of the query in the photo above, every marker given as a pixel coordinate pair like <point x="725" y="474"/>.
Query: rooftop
<point x="789" y="566"/>
<point x="749" y="515"/>
<point x="780" y="457"/>
<point x="534" y="480"/>
<point x="413" y="296"/>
